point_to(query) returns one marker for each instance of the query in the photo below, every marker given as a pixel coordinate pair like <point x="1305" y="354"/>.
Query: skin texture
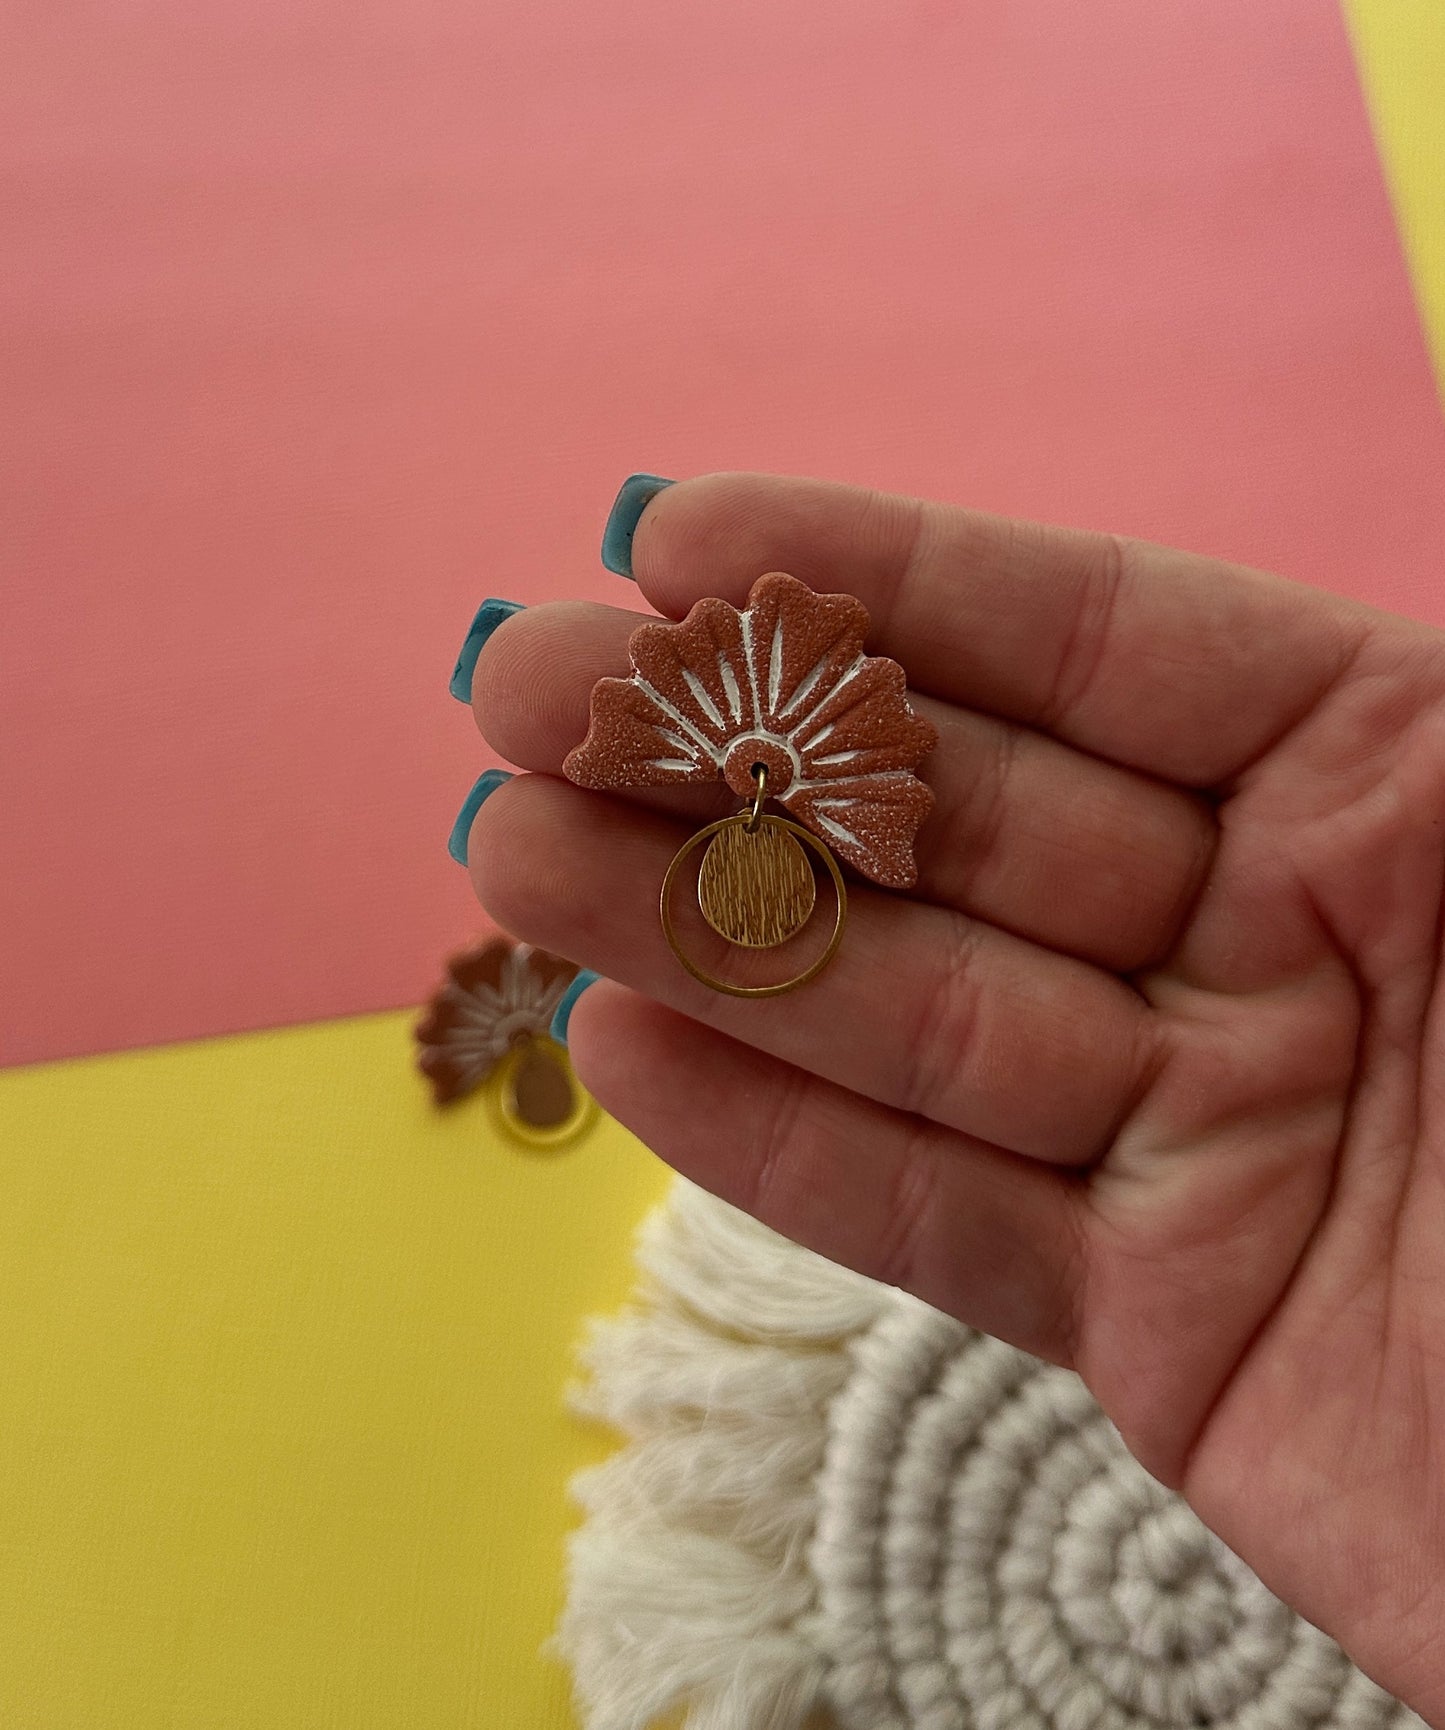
<point x="1147" y="1076"/>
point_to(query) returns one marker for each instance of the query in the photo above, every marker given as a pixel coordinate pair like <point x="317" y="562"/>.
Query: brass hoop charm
<point x="751" y="821"/>
<point x="510" y="1107"/>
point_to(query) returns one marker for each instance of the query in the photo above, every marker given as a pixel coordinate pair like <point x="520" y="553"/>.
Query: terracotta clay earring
<point x="492" y="1016"/>
<point x="781" y="704"/>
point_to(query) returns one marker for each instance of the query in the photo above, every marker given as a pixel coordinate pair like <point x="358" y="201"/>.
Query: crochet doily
<point x="836" y="1506"/>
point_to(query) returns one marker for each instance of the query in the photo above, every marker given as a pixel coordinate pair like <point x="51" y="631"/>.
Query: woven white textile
<point x="835" y="1506"/>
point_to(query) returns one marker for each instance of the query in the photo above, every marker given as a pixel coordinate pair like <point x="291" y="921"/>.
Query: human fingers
<point x="1028" y="834"/>
<point x="922" y="1009"/>
<point x="985" y="1235"/>
<point x="1181" y="666"/>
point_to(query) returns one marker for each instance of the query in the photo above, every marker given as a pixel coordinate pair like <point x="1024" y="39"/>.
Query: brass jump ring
<point x="759" y="798"/>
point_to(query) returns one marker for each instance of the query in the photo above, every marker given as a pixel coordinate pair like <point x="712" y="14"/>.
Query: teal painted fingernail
<point x="461" y="830"/>
<point x="490" y="614"/>
<point x="569" y="1002"/>
<point x="637" y="493"/>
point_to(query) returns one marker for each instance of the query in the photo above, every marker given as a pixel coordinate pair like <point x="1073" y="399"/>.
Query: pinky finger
<point x="985" y="1235"/>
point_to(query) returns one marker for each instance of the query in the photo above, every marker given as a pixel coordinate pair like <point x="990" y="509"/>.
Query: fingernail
<point x="637" y="492"/>
<point x="569" y="1002"/>
<point x="461" y="830"/>
<point x="489" y="615"/>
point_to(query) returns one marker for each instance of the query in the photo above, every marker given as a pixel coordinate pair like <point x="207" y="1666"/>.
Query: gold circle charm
<point x="756" y="887"/>
<point x="733" y="890"/>
<point x="537" y="1097"/>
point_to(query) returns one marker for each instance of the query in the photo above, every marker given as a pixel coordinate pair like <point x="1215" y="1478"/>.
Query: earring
<point x="491" y="1018"/>
<point x="780" y="703"/>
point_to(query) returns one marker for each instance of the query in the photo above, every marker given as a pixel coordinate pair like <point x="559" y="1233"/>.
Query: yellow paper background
<point x="280" y="1437"/>
<point x="1400" y="52"/>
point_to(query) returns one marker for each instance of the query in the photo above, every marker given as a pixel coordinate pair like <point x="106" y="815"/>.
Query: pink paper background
<point x="325" y="321"/>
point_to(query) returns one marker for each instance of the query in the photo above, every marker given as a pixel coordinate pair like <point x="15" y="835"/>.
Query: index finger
<point x="1164" y="661"/>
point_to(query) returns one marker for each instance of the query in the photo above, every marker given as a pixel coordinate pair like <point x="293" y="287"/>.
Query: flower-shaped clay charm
<point x="494" y="1012"/>
<point x="784" y="684"/>
<point x="780" y="702"/>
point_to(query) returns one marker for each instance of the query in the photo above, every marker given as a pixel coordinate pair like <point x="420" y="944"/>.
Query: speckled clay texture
<point x="785" y="683"/>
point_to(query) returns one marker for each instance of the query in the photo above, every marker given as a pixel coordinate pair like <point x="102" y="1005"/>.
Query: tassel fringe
<point x="835" y="1506"/>
<point x="689" y="1589"/>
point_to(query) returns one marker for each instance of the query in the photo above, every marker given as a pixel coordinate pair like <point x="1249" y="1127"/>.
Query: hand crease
<point x="883" y="616"/>
<point x="1088" y="638"/>
<point x="782" y="1125"/>
<point x="942" y="1032"/>
<point x="913" y="1203"/>
<point x="1352" y="647"/>
<point x="1242" y="1356"/>
<point x="982" y="836"/>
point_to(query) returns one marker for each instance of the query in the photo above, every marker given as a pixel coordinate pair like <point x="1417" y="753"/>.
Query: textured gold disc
<point x="840" y="907"/>
<point x="756" y="889"/>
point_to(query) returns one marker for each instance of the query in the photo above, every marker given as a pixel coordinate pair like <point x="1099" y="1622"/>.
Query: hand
<point x="1148" y="1075"/>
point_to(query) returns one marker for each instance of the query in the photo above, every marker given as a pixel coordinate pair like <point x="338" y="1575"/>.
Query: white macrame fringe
<point x="835" y="1505"/>
<point x="689" y="1591"/>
